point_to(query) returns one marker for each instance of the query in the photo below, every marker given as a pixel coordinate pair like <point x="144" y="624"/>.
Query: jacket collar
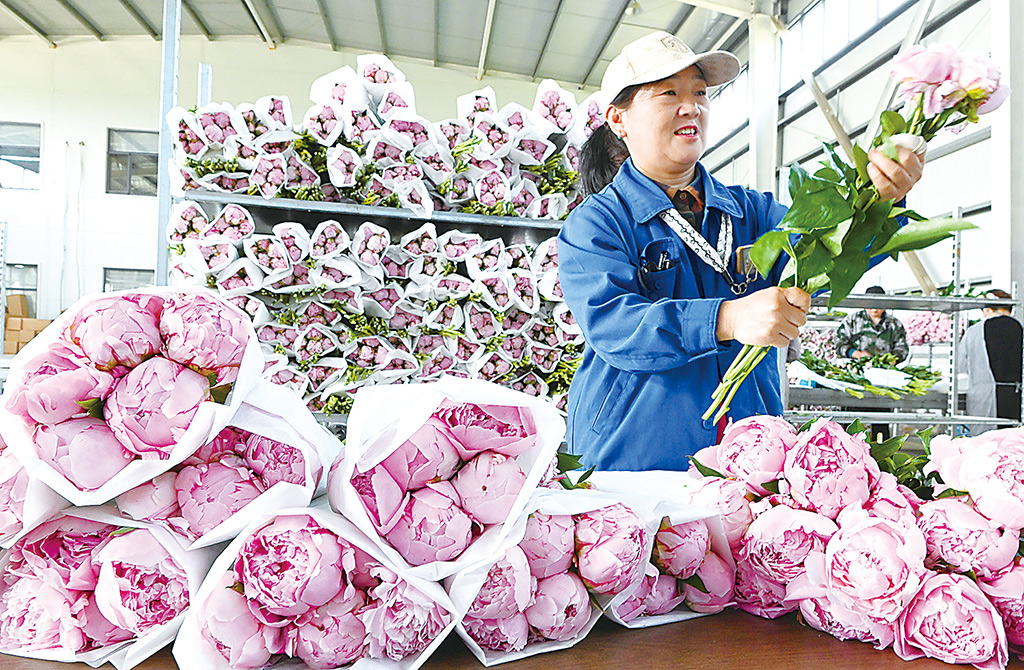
<point x="645" y="199"/>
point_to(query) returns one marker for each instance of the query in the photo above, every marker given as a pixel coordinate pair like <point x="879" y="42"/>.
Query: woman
<point x="648" y="266"/>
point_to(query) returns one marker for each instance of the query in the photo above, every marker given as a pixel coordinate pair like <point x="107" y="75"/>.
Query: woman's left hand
<point x="893" y="180"/>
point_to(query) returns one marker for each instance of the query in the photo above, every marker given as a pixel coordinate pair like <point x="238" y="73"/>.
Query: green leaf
<point x="772" y="486"/>
<point x="767" y="249"/>
<point x="567" y="462"/>
<point x="909" y="213"/>
<point x="813" y="260"/>
<point x="847" y="172"/>
<point x="844" y="276"/>
<point x="926" y="438"/>
<point x="586" y="475"/>
<point x="893" y="123"/>
<point x="834" y="241"/>
<point x="219" y="394"/>
<point x="884" y="450"/>
<point x="93" y="407"/>
<point x="122" y="531"/>
<point x="921" y="234"/>
<point x="808" y="424"/>
<point x="856" y="427"/>
<point x="817" y="203"/>
<point x="860" y="159"/>
<point x="829" y="174"/>
<point x="705" y="470"/>
<point x="951" y="493"/>
<point x="695" y="582"/>
<point x="889" y="149"/>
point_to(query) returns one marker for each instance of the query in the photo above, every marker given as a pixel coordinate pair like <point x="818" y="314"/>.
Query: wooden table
<point x="728" y="640"/>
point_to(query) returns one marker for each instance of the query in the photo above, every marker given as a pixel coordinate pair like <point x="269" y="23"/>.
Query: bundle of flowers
<point x="837" y="530"/>
<point x="270" y="457"/>
<point x="433" y="472"/>
<point x="92" y="587"/>
<point x="123" y="386"/>
<point x="928" y="327"/>
<point x="343" y="309"/>
<point x="307" y="585"/>
<point x="24" y="501"/>
<point x="362" y="141"/>
<point x="821" y="342"/>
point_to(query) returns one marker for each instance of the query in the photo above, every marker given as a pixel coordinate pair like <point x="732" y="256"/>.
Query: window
<point x="132" y="161"/>
<point x="119" y="279"/>
<point x="24" y="279"/>
<point x="19" y="155"/>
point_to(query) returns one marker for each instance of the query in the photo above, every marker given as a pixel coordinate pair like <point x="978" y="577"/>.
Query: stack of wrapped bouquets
<point x="928" y="327"/>
<point x="833" y="534"/>
<point x="362" y="141"/>
<point x="151" y="399"/>
<point x="337" y="309"/>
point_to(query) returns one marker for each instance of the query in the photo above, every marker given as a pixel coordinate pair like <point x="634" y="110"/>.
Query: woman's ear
<point x="613" y="115"/>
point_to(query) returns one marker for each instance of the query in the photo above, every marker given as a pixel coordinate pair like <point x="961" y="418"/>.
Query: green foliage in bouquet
<point x="852" y="372"/>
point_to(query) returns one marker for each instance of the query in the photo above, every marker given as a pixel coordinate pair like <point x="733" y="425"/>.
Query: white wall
<point x="71" y="228"/>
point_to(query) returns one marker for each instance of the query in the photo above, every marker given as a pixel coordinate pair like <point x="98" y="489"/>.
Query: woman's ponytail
<point x="600" y="158"/>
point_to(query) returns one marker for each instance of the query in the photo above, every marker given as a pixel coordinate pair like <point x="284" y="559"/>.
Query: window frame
<point x="129" y="155"/>
<point x="38" y="157"/>
<point x="106" y="280"/>
<point x="32" y="292"/>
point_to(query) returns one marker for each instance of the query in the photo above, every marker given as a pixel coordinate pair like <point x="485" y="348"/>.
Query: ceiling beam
<point x="82" y="18"/>
<point x="328" y="28"/>
<point x="547" y="39"/>
<point x="727" y="34"/>
<point x="28" y="23"/>
<point x="681" y="17"/>
<point x="437" y="23"/>
<point x="742" y="9"/>
<point x="380" y="26"/>
<point x="607" y="39"/>
<point x="139" y="18"/>
<point x="486" y="43"/>
<point x="198" y="20"/>
<point x="265" y="22"/>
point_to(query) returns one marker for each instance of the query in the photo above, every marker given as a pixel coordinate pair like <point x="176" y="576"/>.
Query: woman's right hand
<point x="769" y="317"/>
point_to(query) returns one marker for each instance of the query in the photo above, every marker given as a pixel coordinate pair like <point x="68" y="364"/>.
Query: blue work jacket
<point x="652" y="358"/>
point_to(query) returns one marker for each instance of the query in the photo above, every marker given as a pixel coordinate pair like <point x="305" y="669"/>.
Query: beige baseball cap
<point x="659" y="55"/>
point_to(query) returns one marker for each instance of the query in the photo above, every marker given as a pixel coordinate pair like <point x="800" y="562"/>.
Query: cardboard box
<point x="34" y="324"/>
<point x="11" y="348"/>
<point x="17" y="304"/>
<point x="13" y="323"/>
<point x="25" y="335"/>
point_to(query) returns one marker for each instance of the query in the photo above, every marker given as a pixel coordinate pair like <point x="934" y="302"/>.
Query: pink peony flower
<point x="118" y="331"/>
<point x="719" y="582"/>
<point x="85" y="451"/>
<point x="290" y="566"/>
<point x="664" y="596"/>
<point x="610" y="548"/>
<point x="432" y="526"/>
<point x="475" y="428"/>
<point x="1006" y="591"/>
<point x="140" y="585"/>
<point x="100" y="631"/>
<point x="508" y="589"/>
<point x="404" y="621"/>
<point x="507" y="634"/>
<point x="152" y="407"/>
<point x="960" y="538"/>
<point x="156" y="500"/>
<point x="488" y="486"/>
<point x="333" y="637"/>
<point x="205" y="334"/>
<point x="728" y="498"/>
<point x="429" y="455"/>
<point x="561" y="607"/>
<point x="55" y="382"/>
<point x="758" y="595"/>
<point x="59" y="552"/>
<point x="274" y="462"/>
<point x="35" y="615"/>
<point x="753" y="450"/>
<point x="892" y="501"/>
<point x="549" y="543"/>
<point x="13" y="485"/>
<point x="990" y="468"/>
<point x="226" y="623"/>
<point x="781" y="538"/>
<point x="228" y="442"/>
<point x="950" y="619"/>
<point x="210" y="493"/>
<point x="824" y="615"/>
<point x="871" y="566"/>
<point x="679" y="550"/>
<point x="635" y="605"/>
<point x="829" y="469"/>
<point x="381" y="495"/>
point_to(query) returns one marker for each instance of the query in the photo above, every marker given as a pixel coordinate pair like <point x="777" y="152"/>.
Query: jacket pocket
<point x="659" y="283"/>
<point x="621" y="393"/>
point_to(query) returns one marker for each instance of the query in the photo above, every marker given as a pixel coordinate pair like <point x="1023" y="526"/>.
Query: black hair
<point x="875" y="290"/>
<point x="1002" y="295"/>
<point x="604" y="151"/>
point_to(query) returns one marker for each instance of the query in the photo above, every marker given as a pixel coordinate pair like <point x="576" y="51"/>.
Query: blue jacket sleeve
<point x="599" y="278"/>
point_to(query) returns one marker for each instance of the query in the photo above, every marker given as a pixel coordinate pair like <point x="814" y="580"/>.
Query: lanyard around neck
<point x="718" y="258"/>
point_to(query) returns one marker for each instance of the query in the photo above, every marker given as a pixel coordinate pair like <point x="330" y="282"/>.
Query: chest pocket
<point x="659" y="268"/>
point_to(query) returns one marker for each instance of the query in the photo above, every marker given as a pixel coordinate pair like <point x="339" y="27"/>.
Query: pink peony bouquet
<point x="307" y="585"/>
<point x="89" y="586"/>
<point x="928" y="327"/>
<point x="433" y="470"/>
<point x="124" y="386"/>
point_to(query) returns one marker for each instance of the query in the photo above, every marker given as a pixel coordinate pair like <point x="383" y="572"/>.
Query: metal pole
<point x="205" y="84"/>
<point x="168" y="99"/>
<point x="953" y="404"/>
<point x="764" y="101"/>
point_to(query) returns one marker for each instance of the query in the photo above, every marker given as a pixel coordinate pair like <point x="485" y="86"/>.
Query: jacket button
<point x="660" y="284"/>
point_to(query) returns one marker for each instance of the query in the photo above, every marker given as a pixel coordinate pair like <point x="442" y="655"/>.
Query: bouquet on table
<point x="837" y="221"/>
<point x="92" y="587"/>
<point x="305" y="584"/>
<point x="124" y="386"/>
<point x="928" y="327"/>
<point x="869" y="543"/>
